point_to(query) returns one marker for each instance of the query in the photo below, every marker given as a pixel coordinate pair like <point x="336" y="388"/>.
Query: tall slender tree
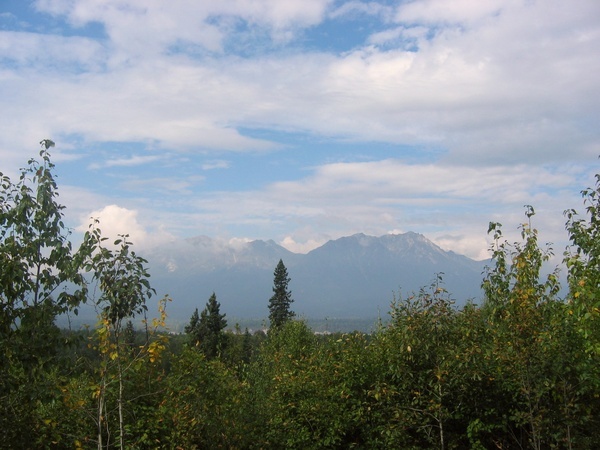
<point x="279" y="304"/>
<point x="122" y="278"/>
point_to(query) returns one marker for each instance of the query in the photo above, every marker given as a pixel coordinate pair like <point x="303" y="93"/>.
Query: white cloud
<point x="453" y="12"/>
<point x="475" y="245"/>
<point x="178" y="107"/>
<point x="505" y="91"/>
<point x="486" y="92"/>
<point x="405" y="38"/>
<point x="161" y="185"/>
<point x="216" y="164"/>
<point x="135" y="160"/>
<point x="351" y="8"/>
<point x="450" y="204"/>
<point x="238" y="243"/>
<point x="53" y="53"/>
<point x="144" y="27"/>
<point x="115" y="221"/>
<point x="301" y="247"/>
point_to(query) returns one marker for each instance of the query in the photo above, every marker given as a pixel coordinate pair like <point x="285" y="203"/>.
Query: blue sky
<point x="306" y="120"/>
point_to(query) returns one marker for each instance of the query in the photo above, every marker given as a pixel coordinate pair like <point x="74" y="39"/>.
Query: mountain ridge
<point x="349" y="277"/>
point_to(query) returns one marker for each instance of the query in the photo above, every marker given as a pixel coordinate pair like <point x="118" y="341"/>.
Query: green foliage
<point x="121" y="275"/>
<point x="35" y="254"/>
<point x="583" y="263"/>
<point x="37" y="267"/>
<point x="241" y="347"/>
<point x="203" y="406"/>
<point x="422" y="380"/>
<point x="309" y="392"/>
<point x="123" y="284"/>
<point x="287" y="382"/>
<point x="280" y="302"/>
<point x="206" y="330"/>
<point x="582" y="259"/>
<point x="528" y="330"/>
<point x="193" y="327"/>
<point x="513" y="285"/>
<point x="521" y="371"/>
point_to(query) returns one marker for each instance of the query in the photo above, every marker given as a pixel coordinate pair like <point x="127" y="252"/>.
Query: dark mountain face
<point x="363" y="273"/>
<point x="355" y="276"/>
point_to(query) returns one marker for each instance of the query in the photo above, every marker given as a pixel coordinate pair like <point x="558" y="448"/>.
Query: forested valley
<point x="519" y="371"/>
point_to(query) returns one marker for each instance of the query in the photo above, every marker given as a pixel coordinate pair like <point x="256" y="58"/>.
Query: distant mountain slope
<point x="350" y="277"/>
<point x="356" y="275"/>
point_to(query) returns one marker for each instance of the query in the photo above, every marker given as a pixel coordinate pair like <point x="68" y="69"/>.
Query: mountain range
<point x="348" y="278"/>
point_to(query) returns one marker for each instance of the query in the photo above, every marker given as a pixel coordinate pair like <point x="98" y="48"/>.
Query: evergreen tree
<point x="279" y="304"/>
<point x="192" y="328"/>
<point x="247" y="347"/>
<point x="206" y="330"/>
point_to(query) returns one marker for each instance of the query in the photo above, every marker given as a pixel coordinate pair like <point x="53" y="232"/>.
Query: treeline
<point x="519" y="371"/>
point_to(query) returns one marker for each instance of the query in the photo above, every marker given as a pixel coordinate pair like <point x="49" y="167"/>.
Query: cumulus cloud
<point x="114" y="221"/>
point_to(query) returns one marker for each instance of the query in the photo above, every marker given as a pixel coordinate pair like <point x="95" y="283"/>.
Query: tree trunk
<point x="120" y="396"/>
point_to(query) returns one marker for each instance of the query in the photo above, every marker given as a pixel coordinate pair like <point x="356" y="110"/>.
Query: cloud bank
<point x="323" y="117"/>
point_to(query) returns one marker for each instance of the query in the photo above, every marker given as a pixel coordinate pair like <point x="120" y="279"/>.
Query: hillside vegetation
<point x="519" y="371"/>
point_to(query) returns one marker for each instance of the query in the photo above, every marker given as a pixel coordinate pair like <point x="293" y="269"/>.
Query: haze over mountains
<point x="351" y="277"/>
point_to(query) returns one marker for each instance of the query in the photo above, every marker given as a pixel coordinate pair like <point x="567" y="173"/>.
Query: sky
<point x="306" y="120"/>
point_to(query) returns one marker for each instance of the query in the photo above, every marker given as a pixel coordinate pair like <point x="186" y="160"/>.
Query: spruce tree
<point x="206" y="330"/>
<point x="192" y="328"/>
<point x="279" y="304"/>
